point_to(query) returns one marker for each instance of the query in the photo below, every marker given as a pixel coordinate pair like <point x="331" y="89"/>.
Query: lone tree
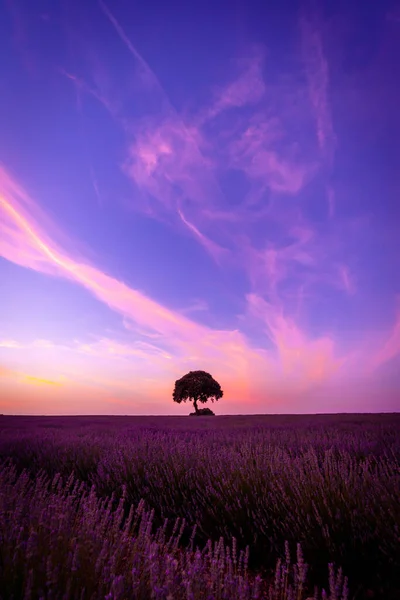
<point x="197" y="386"/>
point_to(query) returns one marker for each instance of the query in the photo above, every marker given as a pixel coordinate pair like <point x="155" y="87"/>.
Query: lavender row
<point x="333" y="486"/>
<point x="61" y="541"/>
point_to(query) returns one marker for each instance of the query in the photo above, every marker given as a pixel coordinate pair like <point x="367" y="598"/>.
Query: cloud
<point x="301" y="360"/>
<point x="391" y="347"/>
<point x="255" y="154"/>
<point x="237" y="175"/>
<point x="146" y="75"/>
<point x="346" y="280"/>
<point x="198" y="305"/>
<point x="216" y="251"/>
<point x="30" y="379"/>
<point x="228" y="353"/>
<point x="31" y="249"/>
<point x="247" y="89"/>
<point x="39" y="381"/>
<point x="82" y="86"/>
<point x="317" y="72"/>
<point x="10" y="344"/>
<point x="165" y="160"/>
<point x="101" y="347"/>
<point x="176" y="161"/>
<point x="19" y="239"/>
<point x="116" y="349"/>
<point x="296" y="254"/>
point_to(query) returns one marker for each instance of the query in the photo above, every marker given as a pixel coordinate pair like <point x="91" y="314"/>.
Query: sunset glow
<point x="199" y="188"/>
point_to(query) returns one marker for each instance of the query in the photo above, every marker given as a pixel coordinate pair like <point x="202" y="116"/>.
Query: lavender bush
<point x="330" y="484"/>
<point x="59" y="540"/>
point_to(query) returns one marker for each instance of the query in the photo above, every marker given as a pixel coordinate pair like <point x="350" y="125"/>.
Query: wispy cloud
<point x="189" y="343"/>
<point x="247" y="89"/>
<point x="391" y="346"/>
<point x="255" y="153"/>
<point x="29" y="379"/>
<point x="83" y="86"/>
<point x="176" y="161"/>
<point x="198" y="305"/>
<point x="34" y="252"/>
<point x="102" y="347"/>
<point x="173" y="159"/>
<point x="317" y="71"/>
<point x="244" y="174"/>
<point x="346" y="280"/>
<point x="10" y="344"/>
<point x="301" y="359"/>
<point x="39" y="381"/>
<point x="216" y="251"/>
<point x="146" y="75"/>
<point x="296" y="254"/>
<point x="115" y="349"/>
<point x="166" y="161"/>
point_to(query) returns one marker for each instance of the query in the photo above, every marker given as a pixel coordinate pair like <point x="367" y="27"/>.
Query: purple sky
<point x="201" y="186"/>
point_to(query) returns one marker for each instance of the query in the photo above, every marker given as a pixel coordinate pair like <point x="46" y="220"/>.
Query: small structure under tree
<point x="197" y="386"/>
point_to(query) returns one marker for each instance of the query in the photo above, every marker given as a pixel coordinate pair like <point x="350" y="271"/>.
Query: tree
<point x="196" y="386"/>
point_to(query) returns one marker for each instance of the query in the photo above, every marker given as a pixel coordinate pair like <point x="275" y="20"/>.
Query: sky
<point x="199" y="185"/>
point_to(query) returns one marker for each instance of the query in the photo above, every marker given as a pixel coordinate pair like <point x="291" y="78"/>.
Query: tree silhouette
<point x="196" y="386"/>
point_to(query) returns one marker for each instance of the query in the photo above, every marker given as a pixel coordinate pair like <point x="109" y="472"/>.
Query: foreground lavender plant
<point x="330" y="482"/>
<point x="59" y="540"/>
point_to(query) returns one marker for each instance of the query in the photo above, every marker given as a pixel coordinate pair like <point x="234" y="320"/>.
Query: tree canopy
<point x="197" y="386"/>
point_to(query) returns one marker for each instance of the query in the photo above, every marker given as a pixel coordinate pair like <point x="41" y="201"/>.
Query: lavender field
<point x="235" y="507"/>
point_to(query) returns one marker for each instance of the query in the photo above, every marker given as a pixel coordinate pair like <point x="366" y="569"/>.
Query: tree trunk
<point x="196" y="410"/>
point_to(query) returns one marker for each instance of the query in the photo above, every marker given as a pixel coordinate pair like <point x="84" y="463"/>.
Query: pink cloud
<point x="296" y="260"/>
<point x="391" y="347"/>
<point x="146" y="75"/>
<point x="170" y="152"/>
<point x="346" y="280"/>
<point x="198" y="305"/>
<point x="302" y="361"/>
<point x="105" y="364"/>
<point x="165" y="160"/>
<point x="83" y="86"/>
<point x="32" y="394"/>
<point x="175" y="162"/>
<point x="255" y="154"/>
<point x="294" y="362"/>
<point x="9" y="344"/>
<point x="166" y="163"/>
<point x="248" y="88"/>
<point x="39" y="381"/>
<point x="115" y="349"/>
<point x="30" y="379"/>
<point x="187" y="337"/>
<point x="277" y="262"/>
<point x="331" y="201"/>
<point x="216" y="251"/>
<point x="317" y="71"/>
